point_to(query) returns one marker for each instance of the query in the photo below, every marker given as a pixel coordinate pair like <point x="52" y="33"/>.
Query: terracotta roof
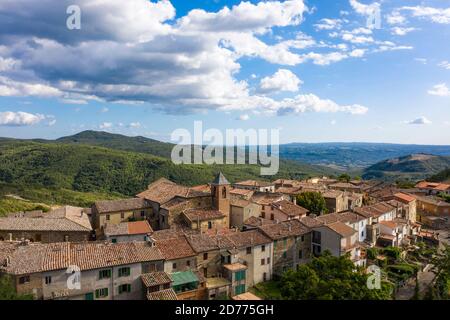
<point x="290" y="209"/>
<point x="332" y="194"/>
<point x="292" y="228"/>
<point x="349" y="217"/>
<point x="166" y="294"/>
<point x="163" y="190"/>
<point x="203" y="214"/>
<point x="375" y="210"/>
<point x="287" y="182"/>
<point x="176" y="202"/>
<point x="310" y="222"/>
<point x="341" y="229"/>
<point x="128" y="228"/>
<point x="155" y="278"/>
<point x="120" y="205"/>
<point x="254" y="183"/>
<point x="241" y="191"/>
<point x="404" y="197"/>
<point x="426" y="184"/>
<point x="248" y="238"/>
<point x="264" y="198"/>
<point x="258" y="221"/>
<point x="248" y="296"/>
<point x="328" y="218"/>
<point x="175" y="248"/>
<point x="205" y="242"/>
<point x="41" y="224"/>
<point x="235" y="266"/>
<point x="343" y="185"/>
<point x="75" y="214"/>
<point x="203" y="188"/>
<point x="33" y="258"/>
<point x="289" y="190"/>
<point x="389" y="224"/>
<point x="241" y="203"/>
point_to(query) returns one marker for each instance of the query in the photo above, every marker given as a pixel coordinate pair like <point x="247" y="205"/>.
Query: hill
<point x="27" y="165"/>
<point x="443" y="176"/>
<point x="411" y="167"/>
<point x="350" y="156"/>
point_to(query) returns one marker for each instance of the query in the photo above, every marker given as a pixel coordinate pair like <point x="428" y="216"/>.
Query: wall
<point x="46" y="236"/>
<point x="181" y="264"/>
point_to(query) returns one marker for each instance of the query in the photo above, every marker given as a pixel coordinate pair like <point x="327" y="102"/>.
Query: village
<point x="214" y="241"/>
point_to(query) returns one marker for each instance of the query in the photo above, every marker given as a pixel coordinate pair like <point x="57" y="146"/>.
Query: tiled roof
<point x="404" y="197"/>
<point x="166" y="294"/>
<point x="258" y="221"/>
<point x="163" y="190"/>
<point x="203" y="214"/>
<point x="350" y="217"/>
<point x="120" y="205"/>
<point x="248" y="238"/>
<point x="332" y="194"/>
<point x="203" y="188"/>
<point x="175" y="248"/>
<point x="235" y="266"/>
<point x="341" y="229"/>
<point x="41" y="224"/>
<point x="290" y="208"/>
<point x="310" y="222"/>
<point x="343" y="185"/>
<point x="254" y="183"/>
<point x="241" y="203"/>
<point x="155" y="278"/>
<point x="289" y="190"/>
<point x="375" y="210"/>
<point x="87" y="255"/>
<point x="128" y="228"/>
<point x="328" y="218"/>
<point x="264" y="198"/>
<point x="247" y="296"/>
<point x="204" y="242"/>
<point x="292" y="228"/>
<point x="242" y="192"/>
<point x="389" y="224"/>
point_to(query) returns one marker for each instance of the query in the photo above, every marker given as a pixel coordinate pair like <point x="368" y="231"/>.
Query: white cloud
<point x="357" y="39"/>
<point x="400" y="31"/>
<point x="51" y="123"/>
<point x="364" y="9"/>
<point x="419" y="121"/>
<point x="282" y="80"/>
<point x="421" y="60"/>
<point x="440" y="90"/>
<point x="74" y="101"/>
<point x="437" y="15"/>
<point x="10" y="118"/>
<point x="445" y="65"/>
<point x="328" y="24"/>
<point x="104" y="110"/>
<point x="357" y="53"/>
<point x="106" y="125"/>
<point x="244" y="117"/>
<point x="333" y="122"/>
<point x="395" y="18"/>
<point x="134" y="125"/>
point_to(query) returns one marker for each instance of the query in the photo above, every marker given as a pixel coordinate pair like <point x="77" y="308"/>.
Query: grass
<point x="36" y="196"/>
<point x="9" y="205"/>
<point x="267" y="290"/>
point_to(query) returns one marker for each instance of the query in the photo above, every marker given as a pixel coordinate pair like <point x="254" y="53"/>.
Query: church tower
<point x="220" y="192"/>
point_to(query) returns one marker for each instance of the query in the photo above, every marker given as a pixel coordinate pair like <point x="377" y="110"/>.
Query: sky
<point x="317" y="70"/>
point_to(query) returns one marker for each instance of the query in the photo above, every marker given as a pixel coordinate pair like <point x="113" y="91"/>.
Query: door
<point x="89" y="296"/>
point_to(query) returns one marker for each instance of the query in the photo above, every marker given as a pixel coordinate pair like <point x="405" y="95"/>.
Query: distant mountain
<point x="349" y="156"/>
<point x="120" y="142"/>
<point x="411" y="167"/>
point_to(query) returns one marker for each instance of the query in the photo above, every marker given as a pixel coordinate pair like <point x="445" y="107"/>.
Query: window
<point x="268" y="260"/>
<point x="263" y="248"/>
<point x="124" y="288"/>
<point x="48" y="280"/>
<point x="66" y="238"/>
<point x="122" y="215"/>
<point x="174" y="265"/>
<point x="210" y="225"/>
<point x="272" y="216"/>
<point x="114" y="240"/>
<point x="263" y="215"/>
<point x="316" y="237"/>
<point x="249" y="250"/>
<point x="108" y="217"/>
<point x="300" y="254"/>
<point x="264" y="276"/>
<point x="263" y="261"/>
<point x="104" y="274"/>
<point x="38" y="237"/>
<point x="188" y="263"/>
<point x="224" y="192"/>
<point x="142" y="213"/>
<point x="124" y="272"/>
<point x="101" y="293"/>
<point x="24" y="279"/>
<point x="284" y="255"/>
<point x="89" y="296"/>
<point x="303" y="238"/>
<point x="205" y="256"/>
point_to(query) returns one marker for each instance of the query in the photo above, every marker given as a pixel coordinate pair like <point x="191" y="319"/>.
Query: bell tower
<point x="220" y="192"/>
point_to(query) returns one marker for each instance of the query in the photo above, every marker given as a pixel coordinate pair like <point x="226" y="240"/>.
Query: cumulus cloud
<point x="282" y="80"/>
<point x="400" y="31"/>
<point x="419" y="121"/>
<point x="134" y="125"/>
<point x="18" y="119"/>
<point x="243" y="117"/>
<point x="445" y="65"/>
<point x="141" y="52"/>
<point x="440" y="90"/>
<point x="436" y="15"/>
<point x="106" y="125"/>
<point x="329" y="24"/>
<point x="395" y="18"/>
<point x="364" y="9"/>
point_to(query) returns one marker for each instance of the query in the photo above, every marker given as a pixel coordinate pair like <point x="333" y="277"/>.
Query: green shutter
<point x="97" y="293"/>
<point x="129" y="287"/>
<point x="106" y="292"/>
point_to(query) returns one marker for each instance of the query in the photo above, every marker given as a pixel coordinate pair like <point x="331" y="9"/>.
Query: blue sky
<point x="313" y="69"/>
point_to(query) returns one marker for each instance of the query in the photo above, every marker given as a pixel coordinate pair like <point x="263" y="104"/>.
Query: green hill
<point x="443" y="176"/>
<point x="411" y="167"/>
<point x="26" y="166"/>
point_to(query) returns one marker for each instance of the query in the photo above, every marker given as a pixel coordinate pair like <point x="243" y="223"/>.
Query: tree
<point x="344" y="177"/>
<point x="330" y="278"/>
<point x="8" y="292"/>
<point x="440" y="286"/>
<point x="313" y="201"/>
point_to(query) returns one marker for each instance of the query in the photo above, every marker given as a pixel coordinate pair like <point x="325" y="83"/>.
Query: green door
<point x="239" y="289"/>
<point x="89" y="296"/>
